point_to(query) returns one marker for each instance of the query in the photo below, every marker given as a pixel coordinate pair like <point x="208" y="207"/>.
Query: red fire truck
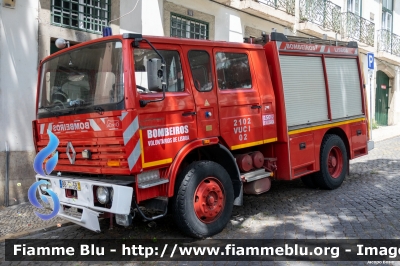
<point x="149" y="125"/>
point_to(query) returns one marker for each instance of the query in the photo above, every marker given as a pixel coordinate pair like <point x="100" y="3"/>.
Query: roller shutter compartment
<point x="304" y="89"/>
<point x="344" y="87"/>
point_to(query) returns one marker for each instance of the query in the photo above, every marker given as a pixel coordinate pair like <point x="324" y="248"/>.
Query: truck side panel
<point x="319" y="90"/>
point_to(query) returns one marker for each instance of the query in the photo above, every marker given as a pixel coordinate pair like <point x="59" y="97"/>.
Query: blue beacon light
<point x="107" y="31"/>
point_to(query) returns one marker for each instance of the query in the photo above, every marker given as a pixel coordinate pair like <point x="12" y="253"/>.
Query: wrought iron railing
<point x="358" y="28"/>
<point x="323" y="13"/>
<point x="389" y="42"/>
<point x="285" y="5"/>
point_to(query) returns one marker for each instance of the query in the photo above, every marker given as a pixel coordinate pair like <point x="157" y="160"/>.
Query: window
<point x="185" y="27"/>
<point x="200" y="66"/>
<point x="147" y="66"/>
<point x="354" y="6"/>
<point x="83" y="78"/>
<point x="86" y="15"/>
<point x="387" y="15"/>
<point x="233" y="71"/>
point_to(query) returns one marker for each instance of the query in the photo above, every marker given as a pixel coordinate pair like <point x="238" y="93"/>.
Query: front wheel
<point x="333" y="163"/>
<point x="203" y="199"/>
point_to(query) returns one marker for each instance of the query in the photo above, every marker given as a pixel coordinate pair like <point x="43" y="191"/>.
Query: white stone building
<point x="18" y="74"/>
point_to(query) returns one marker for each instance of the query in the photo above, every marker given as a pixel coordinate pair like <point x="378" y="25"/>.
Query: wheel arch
<point x="216" y="153"/>
<point x="342" y="134"/>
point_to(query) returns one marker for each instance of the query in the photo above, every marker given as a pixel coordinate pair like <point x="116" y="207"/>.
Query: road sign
<point x="370" y="57"/>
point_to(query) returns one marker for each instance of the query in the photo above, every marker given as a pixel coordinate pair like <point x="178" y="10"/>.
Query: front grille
<point x="102" y="150"/>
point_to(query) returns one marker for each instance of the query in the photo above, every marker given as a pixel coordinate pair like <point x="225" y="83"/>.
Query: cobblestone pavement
<point x="20" y="219"/>
<point x="366" y="206"/>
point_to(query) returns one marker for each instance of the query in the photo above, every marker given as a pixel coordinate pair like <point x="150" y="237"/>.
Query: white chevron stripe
<point x="122" y="116"/>
<point x="50" y="127"/>
<point x="134" y="156"/>
<point x="42" y="128"/>
<point x="131" y="130"/>
<point x="94" y="125"/>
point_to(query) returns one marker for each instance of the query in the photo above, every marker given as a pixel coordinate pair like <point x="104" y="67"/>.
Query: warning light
<point x="107" y="31"/>
<point x="206" y="141"/>
<point x="113" y="163"/>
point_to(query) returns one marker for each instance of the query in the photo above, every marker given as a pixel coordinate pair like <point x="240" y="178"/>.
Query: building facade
<point x="18" y="74"/>
<point x="29" y="28"/>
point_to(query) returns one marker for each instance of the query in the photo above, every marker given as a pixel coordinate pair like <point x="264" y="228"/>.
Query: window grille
<point x="185" y="27"/>
<point x="85" y="15"/>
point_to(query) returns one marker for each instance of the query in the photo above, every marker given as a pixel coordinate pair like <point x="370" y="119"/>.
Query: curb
<point x="33" y="231"/>
<point x="387" y="138"/>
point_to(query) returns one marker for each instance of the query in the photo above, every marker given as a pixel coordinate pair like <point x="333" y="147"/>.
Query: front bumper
<point x="82" y="210"/>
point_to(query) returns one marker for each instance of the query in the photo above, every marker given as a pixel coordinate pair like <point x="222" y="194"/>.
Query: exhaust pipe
<point x="6" y="188"/>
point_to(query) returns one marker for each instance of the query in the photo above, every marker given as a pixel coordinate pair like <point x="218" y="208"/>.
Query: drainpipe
<point x="6" y="201"/>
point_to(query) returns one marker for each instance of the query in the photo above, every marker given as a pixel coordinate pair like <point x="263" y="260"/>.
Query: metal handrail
<point x="358" y="28"/>
<point x="323" y="13"/>
<point x="285" y="5"/>
<point x="388" y="42"/>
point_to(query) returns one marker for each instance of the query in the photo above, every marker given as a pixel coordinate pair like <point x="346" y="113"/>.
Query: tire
<point x="203" y="200"/>
<point x="333" y="163"/>
<point x="309" y="181"/>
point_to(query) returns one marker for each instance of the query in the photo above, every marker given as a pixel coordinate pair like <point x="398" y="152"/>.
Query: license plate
<point x="66" y="184"/>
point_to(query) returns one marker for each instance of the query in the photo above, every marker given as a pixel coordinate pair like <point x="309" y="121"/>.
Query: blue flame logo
<point x="36" y="203"/>
<point x="49" y="158"/>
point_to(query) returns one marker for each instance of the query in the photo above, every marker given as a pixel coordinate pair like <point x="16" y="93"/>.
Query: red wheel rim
<point x="335" y="162"/>
<point x="209" y="200"/>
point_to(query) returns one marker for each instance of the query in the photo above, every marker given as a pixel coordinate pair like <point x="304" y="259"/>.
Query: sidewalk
<point x="387" y="132"/>
<point x="20" y="220"/>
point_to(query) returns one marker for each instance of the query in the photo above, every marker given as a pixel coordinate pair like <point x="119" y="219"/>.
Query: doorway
<point x="382" y="98"/>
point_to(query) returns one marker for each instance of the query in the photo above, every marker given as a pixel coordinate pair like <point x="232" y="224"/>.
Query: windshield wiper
<point x="99" y="110"/>
<point x="57" y="114"/>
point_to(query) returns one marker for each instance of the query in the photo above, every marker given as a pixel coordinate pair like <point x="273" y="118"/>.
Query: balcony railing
<point x="358" y="28"/>
<point x="323" y="13"/>
<point x="285" y="5"/>
<point x="389" y="42"/>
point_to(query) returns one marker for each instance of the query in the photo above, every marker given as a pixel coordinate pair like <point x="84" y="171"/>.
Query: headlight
<point x="111" y="194"/>
<point x="43" y="187"/>
<point x="103" y="195"/>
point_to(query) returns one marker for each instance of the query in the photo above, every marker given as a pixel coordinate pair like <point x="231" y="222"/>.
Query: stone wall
<point x="21" y="176"/>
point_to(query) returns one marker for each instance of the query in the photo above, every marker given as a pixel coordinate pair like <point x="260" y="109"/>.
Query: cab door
<point x="166" y="125"/>
<point x="204" y="90"/>
<point x="239" y="101"/>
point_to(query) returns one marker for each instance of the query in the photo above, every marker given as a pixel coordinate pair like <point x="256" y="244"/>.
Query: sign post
<point x="370" y="57"/>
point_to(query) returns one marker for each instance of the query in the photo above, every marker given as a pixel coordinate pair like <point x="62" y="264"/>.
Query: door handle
<point x="358" y="132"/>
<point x="188" y="113"/>
<point x="256" y="107"/>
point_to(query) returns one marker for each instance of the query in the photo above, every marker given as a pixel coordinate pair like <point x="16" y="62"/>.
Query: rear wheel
<point x="333" y="163"/>
<point x="203" y="199"/>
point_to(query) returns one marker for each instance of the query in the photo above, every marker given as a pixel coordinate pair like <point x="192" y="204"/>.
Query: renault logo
<point x="70" y="147"/>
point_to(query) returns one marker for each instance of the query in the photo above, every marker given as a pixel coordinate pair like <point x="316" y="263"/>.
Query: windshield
<point x="83" y="78"/>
